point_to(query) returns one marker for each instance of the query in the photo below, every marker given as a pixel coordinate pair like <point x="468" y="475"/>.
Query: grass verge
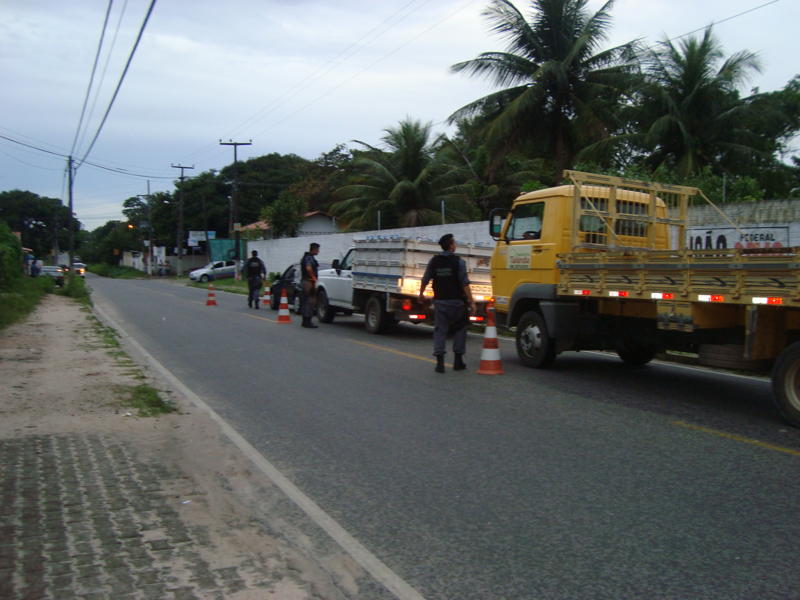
<point x="225" y="285"/>
<point x="115" y="272"/>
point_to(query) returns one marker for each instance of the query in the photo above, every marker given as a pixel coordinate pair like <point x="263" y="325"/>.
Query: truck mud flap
<point x="562" y="322"/>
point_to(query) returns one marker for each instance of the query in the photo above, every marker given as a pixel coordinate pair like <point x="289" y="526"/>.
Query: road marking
<point x="262" y="318"/>
<point x="737" y="438"/>
<point x="399" y="352"/>
<point x="368" y="561"/>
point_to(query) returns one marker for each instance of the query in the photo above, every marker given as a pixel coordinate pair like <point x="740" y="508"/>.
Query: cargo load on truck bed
<point x="397" y="265"/>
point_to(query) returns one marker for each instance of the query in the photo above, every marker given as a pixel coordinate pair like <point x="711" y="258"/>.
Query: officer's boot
<point x="439" y="363"/>
<point x="458" y="363"/>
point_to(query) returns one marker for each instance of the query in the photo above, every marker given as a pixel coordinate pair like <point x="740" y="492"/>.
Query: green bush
<point x="17" y="301"/>
<point x="75" y="287"/>
<point x="10" y="258"/>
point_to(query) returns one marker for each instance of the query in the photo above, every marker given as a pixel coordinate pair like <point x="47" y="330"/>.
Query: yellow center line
<point x="400" y="352"/>
<point x="261" y="318"/>
<point x="738" y="438"/>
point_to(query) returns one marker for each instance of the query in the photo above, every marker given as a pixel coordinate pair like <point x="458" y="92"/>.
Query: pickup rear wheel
<point x="786" y="384"/>
<point x="535" y="347"/>
<point x="325" y="311"/>
<point x="376" y="320"/>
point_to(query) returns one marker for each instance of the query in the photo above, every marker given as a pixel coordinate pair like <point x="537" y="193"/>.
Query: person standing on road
<point x="309" y="268"/>
<point x="254" y="269"/>
<point x="451" y="294"/>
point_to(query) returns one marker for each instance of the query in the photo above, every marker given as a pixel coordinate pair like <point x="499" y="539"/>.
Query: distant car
<point x="289" y="281"/>
<point x="79" y="268"/>
<point x="214" y="270"/>
<point x="56" y="273"/>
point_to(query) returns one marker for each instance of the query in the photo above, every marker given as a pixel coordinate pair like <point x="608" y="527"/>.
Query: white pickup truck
<point x="380" y="277"/>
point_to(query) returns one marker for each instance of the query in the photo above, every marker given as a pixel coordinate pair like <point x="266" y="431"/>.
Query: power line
<point x="105" y="70"/>
<point x="723" y="20"/>
<point x="119" y="84"/>
<point x="91" y="77"/>
<point x="120" y="171"/>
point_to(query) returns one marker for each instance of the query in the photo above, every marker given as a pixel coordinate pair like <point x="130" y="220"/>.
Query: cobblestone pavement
<point x="82" y="517"/>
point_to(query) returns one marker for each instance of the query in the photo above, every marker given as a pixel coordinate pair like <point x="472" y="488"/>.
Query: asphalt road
<point x="589" y="480"/>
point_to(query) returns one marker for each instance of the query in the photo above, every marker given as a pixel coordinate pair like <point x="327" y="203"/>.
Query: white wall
<point x="279" y="254"/>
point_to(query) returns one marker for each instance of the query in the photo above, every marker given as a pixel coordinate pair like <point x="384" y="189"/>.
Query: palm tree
<point x="691" y="114"/>
<point x="398" y="181"/>
<point x="565" y="90"/>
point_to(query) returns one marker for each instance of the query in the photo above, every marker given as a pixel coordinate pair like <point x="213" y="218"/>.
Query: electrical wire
<point x="99" y="86"/>
<point x="91" y="77"/>
<point x="677" y="37"/>
<point x="119" y="84"/>
<point x="120" y="171"/>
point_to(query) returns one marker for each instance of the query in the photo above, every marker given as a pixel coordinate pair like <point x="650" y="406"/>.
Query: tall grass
<point x="18" y="299"/>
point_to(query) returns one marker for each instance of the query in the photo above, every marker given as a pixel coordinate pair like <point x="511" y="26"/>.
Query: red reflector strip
<point x="772" y="300"/>
<point x="476" y="318"/>
<point x="620" y="294"/>
<point x="582" y="292"/>
<point x="417" y="317"/>
<point x="662" y="295"/>
<point x="710" y="298"/>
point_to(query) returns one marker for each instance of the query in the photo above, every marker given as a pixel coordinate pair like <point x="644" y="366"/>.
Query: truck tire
<point x="535" y="347"/>
<point x="635" y="354"/>
<point x="325" y="312"/>
<point x="376" y="320"/>
<point x="729" y="356"/>
<point x="786" y="384"/>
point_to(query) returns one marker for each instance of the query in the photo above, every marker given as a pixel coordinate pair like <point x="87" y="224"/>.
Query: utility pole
<point x="234" y="204"/>
<point x="179" y="236"/>
<point x="149" y="207"/>
<point x="71" y="220"/>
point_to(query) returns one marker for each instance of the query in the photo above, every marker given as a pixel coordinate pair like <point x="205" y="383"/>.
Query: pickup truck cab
<point x="335" y="288"/>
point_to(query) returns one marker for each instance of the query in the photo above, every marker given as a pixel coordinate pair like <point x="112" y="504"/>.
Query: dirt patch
<point x="61" y="377"/>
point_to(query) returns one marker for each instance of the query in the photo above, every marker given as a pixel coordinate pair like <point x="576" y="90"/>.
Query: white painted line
<point x="368" y="561"/>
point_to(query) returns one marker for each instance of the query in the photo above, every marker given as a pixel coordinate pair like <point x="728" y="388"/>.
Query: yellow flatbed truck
<point x="603" y="264"/>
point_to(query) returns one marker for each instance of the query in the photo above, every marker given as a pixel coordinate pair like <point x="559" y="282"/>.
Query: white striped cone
<point x="212" y="297"/>
<point x="490" y="355"/>
<point x="283" y="309"/>
<point x="266" y="299"/>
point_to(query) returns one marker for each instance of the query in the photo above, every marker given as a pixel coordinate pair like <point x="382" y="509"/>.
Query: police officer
<point x="451" y="294"/>
<point x="254" y="269"/>
<point x="309" y="268"/>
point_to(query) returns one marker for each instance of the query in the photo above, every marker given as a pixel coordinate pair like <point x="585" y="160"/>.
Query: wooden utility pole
<point x="234" y="203"/>
<point x="71" y="220"/>
<point x="179" y="236"/>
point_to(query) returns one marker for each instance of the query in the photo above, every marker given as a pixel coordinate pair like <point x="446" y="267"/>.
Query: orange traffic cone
<point x="490" y="355"/>
<point x="283" y="309"/>
<point x="212" y="297"/>
<point x="266" y="299"/>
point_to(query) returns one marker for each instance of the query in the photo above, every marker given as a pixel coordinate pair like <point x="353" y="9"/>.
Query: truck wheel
<point x="786" y="384"/>
<point x="375" y="318"/>
<point x="635" y="354"/>
<point x="325" y="311"/>
<point x="535" y="347"/>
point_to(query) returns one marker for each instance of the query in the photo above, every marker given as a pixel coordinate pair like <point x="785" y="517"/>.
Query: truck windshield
<point x="526" y="222"/>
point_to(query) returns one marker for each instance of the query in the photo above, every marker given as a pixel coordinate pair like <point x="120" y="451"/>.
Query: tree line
<point x="674" y="112"/>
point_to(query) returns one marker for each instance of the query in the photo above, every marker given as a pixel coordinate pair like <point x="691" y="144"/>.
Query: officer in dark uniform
<point x="451" y="294"/>
<point x="254" y="269"/>
<point x="309" y="267"/>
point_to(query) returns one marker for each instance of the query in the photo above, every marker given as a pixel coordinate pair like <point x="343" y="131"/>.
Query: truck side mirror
<point x="335" y="264"/>
<point x="496" y="218"/>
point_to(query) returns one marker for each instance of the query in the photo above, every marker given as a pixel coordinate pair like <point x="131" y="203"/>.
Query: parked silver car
<point x="214" y="270"/>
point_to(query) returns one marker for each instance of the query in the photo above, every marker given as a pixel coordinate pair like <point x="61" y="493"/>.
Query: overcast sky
<point x="295" y="76"/>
